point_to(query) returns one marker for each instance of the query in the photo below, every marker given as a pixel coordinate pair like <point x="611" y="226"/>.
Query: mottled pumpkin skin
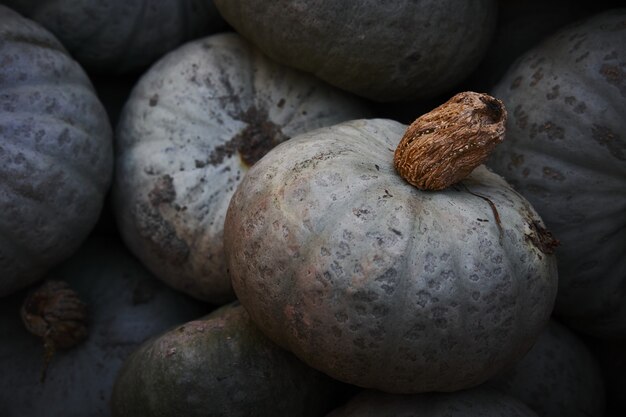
<point x="558" y="377"/>
<point x="126" y="305"/>
<point x="477" y="402"/>
<point x="566" y="152"/>
<point x="379" y="284"/>
<point x="117" y="36"/>
<point x="385" y="51"/>
<point x="191" y="128"/>
<point x="56" y="153"/>
<point x="219" y="366"/>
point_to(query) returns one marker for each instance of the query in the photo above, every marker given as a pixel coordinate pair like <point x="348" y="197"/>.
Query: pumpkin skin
<point x="376" y="283"/>
<point x="566" y="152"/>
<point x="119" y="36"/>
<point x="56" y="153"/>
<point x="558" y="377"/>
<point x="477" y="402"/>
<point x="192" y="126"/>
<point x="411" y="50"/>
<point x="125" y="306"/>
<point x="220" y="365"/>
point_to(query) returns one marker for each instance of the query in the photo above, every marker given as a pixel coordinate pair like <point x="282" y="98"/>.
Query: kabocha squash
<point x="566" y="153"/>
<point x="56" y="153"/>
<point x="477" y="402"/>
<point x="124" y="304"/>
<point x="219" y="366"/>
<point x="117" y="36"/>
<point x="191" y="128"/>
<point x="377" y="283"/>
<point x="558" y="377"/>
<point x="382" y="51"/>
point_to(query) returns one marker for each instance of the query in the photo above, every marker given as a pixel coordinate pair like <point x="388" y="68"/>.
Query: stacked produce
<point x="289" y="208"/>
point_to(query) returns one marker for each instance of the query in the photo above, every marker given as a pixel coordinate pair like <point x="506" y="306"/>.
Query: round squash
<point x="558" y="377"/>
<point x="191" y="128"/>
<point x="56" y="153"/>
<point x="377" y="283"/>
<point x="118" y="36"/>
<point x="219" y="366"/>
<point x="382" y="51"/>
<point x="566" y="153"/>
<point x="125" y="306"/>
<point x="477" y="402"/>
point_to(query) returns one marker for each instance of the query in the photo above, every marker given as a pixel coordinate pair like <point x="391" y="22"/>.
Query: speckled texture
<point x="385" y="51"/>
<point x="125" y="306"/>
<point x="558" y="377"/>
<point x="218" y="366"/>
<point x="377" y="283"/>
<point x="187" y="135"/>
<point x="477" y="402"/>
<point x="56" y="155"/>
<point x="115" y="36"/>
<point x="566" y="153"/>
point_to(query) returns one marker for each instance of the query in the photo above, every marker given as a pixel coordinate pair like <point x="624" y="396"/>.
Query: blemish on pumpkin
<point x="554" y="93"/>
<point x="170" y="352"/>
<point x="163" y="191"/>
<point x="520" y="116"/>
<point x="153" y="100"/>
<point x="516" y="83"/>
<point x="64" y="137"/>
<point x="614" y="76"/>
<point x="160" y="235"/>
<point x="553" y="174"/>
<point x="516" y="161"/>
<point x="536" y="77"/>
<point x="583" y="56"/>
<point x="551" y="130"/>
<point x="611" y="140"/>
<point x="252" y="143"/>
<point x="541" y="238"/>
<point x="281" y="103"/>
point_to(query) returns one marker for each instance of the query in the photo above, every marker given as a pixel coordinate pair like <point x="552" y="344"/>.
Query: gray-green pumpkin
<point x="218" y="366"/>
<point x="56" y="153"/>
<point x="476" y="402"/>
<point x="125" y="306"/>
<point x="117" y="36"/>
<point x="385" y="51"/>
<point x="558" y="377"/>
<point x="566" y="153"/>
<point x="193" y="125"/>
<point x="377" y="283"/>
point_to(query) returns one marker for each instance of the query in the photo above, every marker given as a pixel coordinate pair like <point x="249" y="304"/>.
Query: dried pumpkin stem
<point x="443" y="146"/>
<point x="55" y="313"/>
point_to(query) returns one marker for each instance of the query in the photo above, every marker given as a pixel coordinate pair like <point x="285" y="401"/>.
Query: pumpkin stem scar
<point x="496" y="215"/>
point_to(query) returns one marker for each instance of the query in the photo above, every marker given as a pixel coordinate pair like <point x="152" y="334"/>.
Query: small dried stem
<point x="444" y="146"/>
<point x="55" y="313"/>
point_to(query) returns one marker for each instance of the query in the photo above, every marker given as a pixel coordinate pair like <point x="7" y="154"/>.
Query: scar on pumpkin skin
<point x="496" y="215"/>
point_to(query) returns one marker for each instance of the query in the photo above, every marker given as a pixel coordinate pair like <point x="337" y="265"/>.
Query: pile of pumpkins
<point x="201" y="215"/>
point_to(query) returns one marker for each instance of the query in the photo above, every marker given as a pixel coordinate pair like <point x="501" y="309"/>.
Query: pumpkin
<point x="559" y="376"/>
<point x="477" y="402"/>
<point x="520" y="26"/>
<point x="125" y="306"/>
<point x="408" y="50"/>
<point x="566" y="153"/>
<point x="191" y="128"/>
<point x="220" y="365"/>
<point x="377" y="283"/>
<point x="56" y="155"/>
<point x="119" y="36"/>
